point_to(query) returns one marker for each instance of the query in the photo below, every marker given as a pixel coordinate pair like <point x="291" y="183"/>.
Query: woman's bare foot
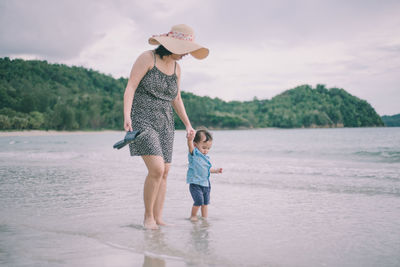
<point x="150" y="224"/>
<point x="161" y="223"/>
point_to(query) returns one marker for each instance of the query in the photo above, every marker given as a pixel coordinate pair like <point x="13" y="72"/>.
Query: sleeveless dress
<point x="152" y="114"/>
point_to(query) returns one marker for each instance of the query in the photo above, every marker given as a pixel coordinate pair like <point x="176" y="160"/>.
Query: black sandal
<point x="129" y="137"/>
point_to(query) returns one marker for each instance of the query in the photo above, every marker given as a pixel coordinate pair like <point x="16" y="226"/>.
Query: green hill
<point x="38" y="95"/>
<point x="302" y="106"/>
<point x="391" y="121"/>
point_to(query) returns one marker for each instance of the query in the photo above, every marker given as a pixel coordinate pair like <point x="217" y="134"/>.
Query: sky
<point x="258" y="48"/>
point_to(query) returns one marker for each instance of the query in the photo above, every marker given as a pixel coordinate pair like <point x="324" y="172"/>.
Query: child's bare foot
<point x="194" y="218"/>
<point x="150" y="224"/>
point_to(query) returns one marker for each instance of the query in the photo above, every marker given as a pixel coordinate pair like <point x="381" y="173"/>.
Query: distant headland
<point x="37" y="95"/>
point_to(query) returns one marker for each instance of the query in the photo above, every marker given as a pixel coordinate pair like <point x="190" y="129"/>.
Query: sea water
<point x="302" y="197"/>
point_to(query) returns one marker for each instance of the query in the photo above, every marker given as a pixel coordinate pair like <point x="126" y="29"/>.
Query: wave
<point x="43" y="156"/>
<point x="318" y="188"/>
<point x="384" y="155"/>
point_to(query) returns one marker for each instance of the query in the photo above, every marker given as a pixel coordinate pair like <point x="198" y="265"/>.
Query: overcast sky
<point x="257" y="48"/>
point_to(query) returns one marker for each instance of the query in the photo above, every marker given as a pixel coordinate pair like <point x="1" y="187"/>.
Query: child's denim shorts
<point x="200" y="194"/>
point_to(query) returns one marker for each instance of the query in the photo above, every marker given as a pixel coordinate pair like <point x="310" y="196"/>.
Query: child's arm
<point x="190" y="138"/>
<point x="218" y="170"/>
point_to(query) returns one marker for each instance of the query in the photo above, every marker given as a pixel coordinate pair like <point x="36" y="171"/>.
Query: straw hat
<point x="180" y="40"/>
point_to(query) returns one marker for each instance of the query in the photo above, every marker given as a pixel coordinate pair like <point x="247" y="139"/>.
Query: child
<point x="198" y="175"/>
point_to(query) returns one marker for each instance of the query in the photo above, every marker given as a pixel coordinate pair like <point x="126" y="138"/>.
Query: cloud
<point x="130" y="26"/>
<point x="51" y="29"/>
<point x="257" y="48"/>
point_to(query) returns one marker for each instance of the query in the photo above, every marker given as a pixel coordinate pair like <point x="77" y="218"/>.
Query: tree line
<point x="38" y="95"/>
<point x="391" y="121"/>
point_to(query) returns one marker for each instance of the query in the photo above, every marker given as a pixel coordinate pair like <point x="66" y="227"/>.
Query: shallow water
<point x="314" y="197"/>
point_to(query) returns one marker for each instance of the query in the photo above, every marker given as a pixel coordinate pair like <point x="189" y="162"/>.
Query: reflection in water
<point x="158" y="252"/>
<point x="200" y="237"/>
<point x="154" y="243"/>
<point x="153" y="262"/>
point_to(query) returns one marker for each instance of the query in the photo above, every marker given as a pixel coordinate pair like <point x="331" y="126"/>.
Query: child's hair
<point x="207" y="134"/>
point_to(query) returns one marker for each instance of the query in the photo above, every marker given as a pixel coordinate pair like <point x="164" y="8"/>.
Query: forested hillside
<point x="392" y="121"/>
<point x="38" y="95"/>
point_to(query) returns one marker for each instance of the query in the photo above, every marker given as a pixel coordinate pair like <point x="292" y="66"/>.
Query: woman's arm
<point x="139" y="69"/>
<point x="179" y="107"/>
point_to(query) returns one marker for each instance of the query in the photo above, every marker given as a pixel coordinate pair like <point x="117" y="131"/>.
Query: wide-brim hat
<point x="180" y="40"/>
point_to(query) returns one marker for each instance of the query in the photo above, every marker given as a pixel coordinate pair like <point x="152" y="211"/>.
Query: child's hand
<point x="219" y="170"/>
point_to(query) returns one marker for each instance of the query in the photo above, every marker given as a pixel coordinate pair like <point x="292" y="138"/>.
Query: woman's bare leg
<point x="159" y="203"/>
<point x="155" y="167"/>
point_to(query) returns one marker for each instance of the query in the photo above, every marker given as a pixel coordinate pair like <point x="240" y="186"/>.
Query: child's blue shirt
<point x="199" y="168"/>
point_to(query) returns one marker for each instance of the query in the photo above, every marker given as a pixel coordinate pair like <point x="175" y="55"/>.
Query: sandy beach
<point x="286" y="198"/>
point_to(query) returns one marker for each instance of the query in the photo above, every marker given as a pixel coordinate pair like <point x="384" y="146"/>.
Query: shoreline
<point x="55" y="132"/>
<point x="51" y="132"/>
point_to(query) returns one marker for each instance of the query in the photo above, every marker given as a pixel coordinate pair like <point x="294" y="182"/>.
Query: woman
<point x="151" y="92"/>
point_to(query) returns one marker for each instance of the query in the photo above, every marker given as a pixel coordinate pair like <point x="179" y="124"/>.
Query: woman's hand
<point x="128" y="124"/>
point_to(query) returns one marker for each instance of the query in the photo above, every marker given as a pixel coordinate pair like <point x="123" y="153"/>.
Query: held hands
<point x="190" y="133"/>
<point x="190" y="136"/>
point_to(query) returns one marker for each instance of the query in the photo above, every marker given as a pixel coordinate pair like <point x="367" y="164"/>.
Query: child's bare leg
<point x="193" y="216"/>
<point x="204" y="211"/>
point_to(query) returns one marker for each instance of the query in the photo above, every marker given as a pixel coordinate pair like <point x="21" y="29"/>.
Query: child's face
<point x="203" y="146"/>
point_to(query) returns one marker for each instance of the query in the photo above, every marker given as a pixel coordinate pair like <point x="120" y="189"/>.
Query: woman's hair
<point x="200" y="133"/>
<point x="162" y="51"/>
